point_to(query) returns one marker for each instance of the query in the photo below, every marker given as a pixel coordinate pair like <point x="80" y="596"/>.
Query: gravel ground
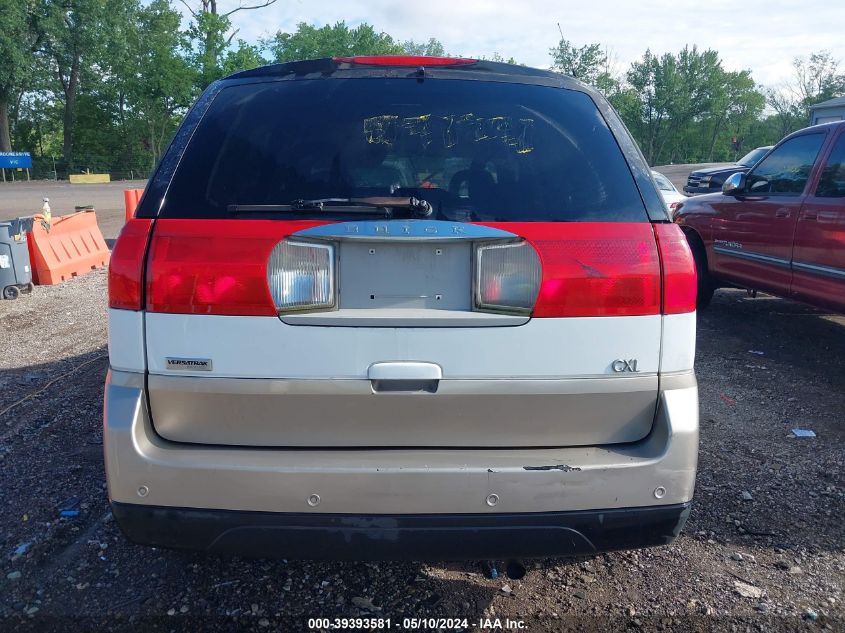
<point x="764" y="548"/>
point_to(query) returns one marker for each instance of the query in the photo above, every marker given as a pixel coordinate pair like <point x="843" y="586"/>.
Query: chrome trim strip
<point x="431" y="230"/>
<point x="827" y="271"/>
<point x="758" y="257"/>
<point x="404" y="317"/>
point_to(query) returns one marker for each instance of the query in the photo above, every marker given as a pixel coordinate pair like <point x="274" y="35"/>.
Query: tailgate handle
<point x="404" y="376"/>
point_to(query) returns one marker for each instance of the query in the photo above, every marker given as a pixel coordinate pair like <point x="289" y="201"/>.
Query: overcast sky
<point x="763" y="35"/>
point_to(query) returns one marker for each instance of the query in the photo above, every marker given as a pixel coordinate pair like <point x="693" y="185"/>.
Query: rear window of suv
<point x="475" y="150"/>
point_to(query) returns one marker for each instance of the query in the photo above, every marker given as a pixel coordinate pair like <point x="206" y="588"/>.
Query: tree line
<point x="686" y="108"/>
<point x="103" y="84"/>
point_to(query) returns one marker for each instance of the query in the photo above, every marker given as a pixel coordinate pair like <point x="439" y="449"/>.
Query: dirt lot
<point x="767" y="521"/>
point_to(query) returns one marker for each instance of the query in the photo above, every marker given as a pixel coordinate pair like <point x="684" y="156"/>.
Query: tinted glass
<point x="475" y="150"/>
<point x="787" y="168"/>
<point x="751" y="158"/>
<point x="832" y="181"/>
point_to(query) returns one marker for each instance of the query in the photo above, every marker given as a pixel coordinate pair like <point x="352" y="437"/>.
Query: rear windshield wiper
<point x="340" y="205"/>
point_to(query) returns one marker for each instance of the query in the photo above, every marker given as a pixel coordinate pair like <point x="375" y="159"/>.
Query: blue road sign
<point x="15" y="160"/>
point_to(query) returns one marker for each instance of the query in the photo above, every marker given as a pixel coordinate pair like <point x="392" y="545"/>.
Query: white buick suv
<point x="401" y="308"/>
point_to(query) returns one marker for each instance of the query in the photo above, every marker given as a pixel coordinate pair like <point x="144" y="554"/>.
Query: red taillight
<point x="678" y="266"/>
<point x="126" y="267"/>
<point x="594" y="268"/>
<point x="588" y="268"/>
<point x="405" y="60"/>
<point x="214" y="266"/>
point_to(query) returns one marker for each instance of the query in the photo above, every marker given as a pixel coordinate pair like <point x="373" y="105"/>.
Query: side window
<point x="786" y="170"/>
<point x="832" y="181"/>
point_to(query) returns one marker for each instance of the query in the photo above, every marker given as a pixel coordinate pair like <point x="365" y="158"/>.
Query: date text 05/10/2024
<point x="416" y="624"/>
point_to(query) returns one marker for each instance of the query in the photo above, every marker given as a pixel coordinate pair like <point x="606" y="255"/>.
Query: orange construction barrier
<point x="65" y="247"/>
<point x="131" y="198"/>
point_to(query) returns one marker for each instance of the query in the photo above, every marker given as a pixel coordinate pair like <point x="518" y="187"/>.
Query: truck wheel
<point x="706" y="285"/>
<point x="11" y="292"/>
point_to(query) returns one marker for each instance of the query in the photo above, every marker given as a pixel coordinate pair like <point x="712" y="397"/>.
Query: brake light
<point x="594" y="268"/>
<point x="680" y="282"/>
<point x="301" y="276"/>
<point x="247" y="267"/>
<point x="126" y="267"/>
<point x="507" y="277"/>
<point x="405" y="60"/>
<point x="214" y="266"/>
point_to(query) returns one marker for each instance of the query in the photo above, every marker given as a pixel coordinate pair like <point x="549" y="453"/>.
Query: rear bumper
<point x="400" y="537"/>
<point x="251" y="494"/>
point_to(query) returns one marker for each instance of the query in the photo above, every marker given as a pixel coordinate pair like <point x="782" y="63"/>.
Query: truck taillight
<point x="680" y="282"/>
<point x="301" y="276"/>
<point x="507" y="278"/>
<point x="126" y="267"/>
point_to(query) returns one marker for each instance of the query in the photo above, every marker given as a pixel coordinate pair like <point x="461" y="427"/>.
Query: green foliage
<point x="585" y="63"/>
<point x="244" y="57"/>
<point x="207" y="33"/>
<point x="815" y="79"/>
<point x="497" y="57"/>
<point x="15" y="47"/>
<point x="74" y="36"/>
<point x="103" y="84"/>
<point x="310" y="42"/>
<point x="16" y="41"/>
<point x="818" y="78"/>
<point x="160" y="100"/>
<point x="589" y="63"/>
<point x="686" y="107"/>
<point x="431" y="48"/>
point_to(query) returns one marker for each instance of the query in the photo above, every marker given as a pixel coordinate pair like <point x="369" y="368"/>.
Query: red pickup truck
<point x="780" y="228"/>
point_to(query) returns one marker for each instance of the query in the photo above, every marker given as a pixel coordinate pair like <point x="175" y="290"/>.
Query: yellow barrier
<point x="89" y="179"/>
